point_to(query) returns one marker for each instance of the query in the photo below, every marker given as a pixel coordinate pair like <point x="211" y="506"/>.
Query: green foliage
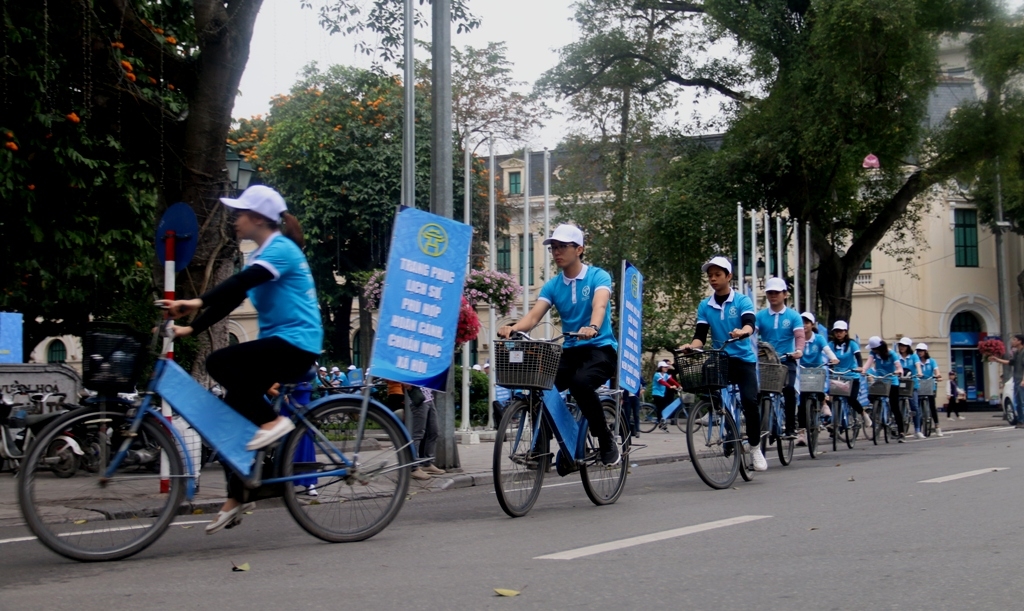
<point x="477" y="395"/>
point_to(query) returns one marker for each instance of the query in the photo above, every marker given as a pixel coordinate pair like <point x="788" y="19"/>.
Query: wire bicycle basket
<point x="699" y="371"/>
<point x="879" y="388"/>
<point x="812" y="379"/>
<point x="906" y="387"/>
<point x="526" y="364"/>
<point x="113" y="357"/>
<point x="841" y="386"/>
<point x="772" y="377"/>
<point x="927" y="387"/>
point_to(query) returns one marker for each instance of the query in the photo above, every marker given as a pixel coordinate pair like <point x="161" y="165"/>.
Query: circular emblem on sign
<point x="586" y="292"/>
<point x="432" y="240"/>
<point x="634" y="286"/>
<point x="733" y="311"/>
<point x="786" y="324"/>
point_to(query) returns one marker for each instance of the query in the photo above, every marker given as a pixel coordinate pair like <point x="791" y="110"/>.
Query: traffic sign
<point x="181" y="221"/>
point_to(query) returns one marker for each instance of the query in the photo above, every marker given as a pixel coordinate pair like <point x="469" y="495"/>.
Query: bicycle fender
<point x="406" y="436"/>
<point x="77" y="449"/>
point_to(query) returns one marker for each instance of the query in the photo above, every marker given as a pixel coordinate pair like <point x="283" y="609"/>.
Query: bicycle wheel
<point x="746" y="458"/>
<point x="852" y="427"/>
<point x="768" y="435"/>
<point x="886" y="429"/>
<point x="61" y="458"/>
<point x="89" y="519"/>
<point x="604" y="484"/>
<point x="680" y="417"/>
<point x="923" y="404"/>
<point x="785" y="446"/>
<point x="812" y="410"/>
<point x="876" y="420"/>
<point x="711" y="439"/>
<point x="519" y="467"/>
<point x="648" y="417"/>
<point x="361" y="503"/>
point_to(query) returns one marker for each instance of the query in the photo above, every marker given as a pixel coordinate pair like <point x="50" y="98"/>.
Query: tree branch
<point x="149" y="46"/>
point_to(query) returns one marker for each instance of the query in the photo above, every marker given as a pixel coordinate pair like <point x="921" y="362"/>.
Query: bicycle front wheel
<point x="853" y="423"/>
<point x="876" y="420"/>
<point x="648" y="417"/>
<point x="812" y="415"/>
<point x="92" y="518"/>
<point x="785" y="445"/>
<point x="924" y="404"/>
<point x="519" y="465"/>
<point x="361" y="502"/>
<point x="712" y="441"/>
<point x="604" y="484"/>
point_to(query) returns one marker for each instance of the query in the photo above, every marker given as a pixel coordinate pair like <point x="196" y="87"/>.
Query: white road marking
<point x="99" y="530"/>
<point x="949" y="478"/>
<point x="590" y="550"/>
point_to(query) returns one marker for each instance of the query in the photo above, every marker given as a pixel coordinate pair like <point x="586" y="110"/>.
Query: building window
<point x="867" y="263"/>
<point x="965" y="322"/>
<point x="515" y="186"/>
<point x="533" y="251"/>
<point x="503" y="260"/>
<point x="357" y="354"/>
<point x="965" y="237"/>
<point x="56" y="352"/>
<point x="232" y="339"/>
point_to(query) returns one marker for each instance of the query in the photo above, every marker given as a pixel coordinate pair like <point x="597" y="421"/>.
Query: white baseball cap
<point x="351" y="367"/>
<point x="566" y="234"/>
<point x="260" y="199"/>
<point x="840" y="325"/>
<point x="775" y="284"/>
<point x="477" y="368"/>
<point x="662" y="364"/>
<point x="487" y="364"/>
<point x="906" y="341"/>
<point x="334" y="369"/>
<point x="323" y="369"/>
<point x="874" y="341"/>
<point x="921" y="346"/>
<point x="809" y="317"/>
<point x="717" y="262"/>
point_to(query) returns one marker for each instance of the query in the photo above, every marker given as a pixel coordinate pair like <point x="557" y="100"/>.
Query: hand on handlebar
<point x="586" y="332"/>
<point x="180" y="307"/>
<point x="505" y="332"/>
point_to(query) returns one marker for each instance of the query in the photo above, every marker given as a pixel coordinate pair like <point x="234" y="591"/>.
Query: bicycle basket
<point x="772" y="378"/>
<point x="840" y="386"/>
<point x="879" y="388"/>
<point x="812" y="379"/>
<point x="112" y="357"/>
<point x="906" y="387"/>
<point x="699" y="371"/>
<point x="526" y="364"/>
<point x="927" y="387"/>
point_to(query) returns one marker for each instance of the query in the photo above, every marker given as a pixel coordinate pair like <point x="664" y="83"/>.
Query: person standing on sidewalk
<point x="424" y="433"/>
<point x="953" y="391"/>
<point x="1015" y="358"/>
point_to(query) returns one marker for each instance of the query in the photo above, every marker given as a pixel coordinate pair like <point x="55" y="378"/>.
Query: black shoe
<point x="611" y="456"/>
<point x="636" y="434"/>
<point x="564" y="467"/>
<point x="789" y="436"/>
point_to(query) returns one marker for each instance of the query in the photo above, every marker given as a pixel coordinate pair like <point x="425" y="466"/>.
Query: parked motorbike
<point x="21" y="422"/>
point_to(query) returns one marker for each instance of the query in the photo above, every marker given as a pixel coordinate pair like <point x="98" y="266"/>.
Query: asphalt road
<point x="854" y="529"/>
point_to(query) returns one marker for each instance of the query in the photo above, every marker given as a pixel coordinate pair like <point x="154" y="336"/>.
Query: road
<point x="854" y="529"/>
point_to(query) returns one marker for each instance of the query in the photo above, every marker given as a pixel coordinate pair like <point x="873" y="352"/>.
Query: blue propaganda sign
<point x="419" y="310"/>
<point x="631" y="317"/>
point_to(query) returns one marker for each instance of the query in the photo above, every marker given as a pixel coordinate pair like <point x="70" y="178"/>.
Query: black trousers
<point x="789" y="396"/>
<point x="582" y="370"/>
<point x="247" y="371"/>
<point x="660" y="403"/>
<point x="894" y="407"/>
<point x="744" y="375"/>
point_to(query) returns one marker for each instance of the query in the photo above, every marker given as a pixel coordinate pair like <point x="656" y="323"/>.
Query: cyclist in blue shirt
<point x="883" y="361"/>
<point x="815" y="354"/>
<point x="663" y="391"/>
<point x="277" y="281"/>
<point x="783" y="328"/>
<point x="847" y="351"/>
<point x="581" y="294"/>
<point x="930" y="369"/>
<point x="727" y="314"/>
<point x="911" y="366"/>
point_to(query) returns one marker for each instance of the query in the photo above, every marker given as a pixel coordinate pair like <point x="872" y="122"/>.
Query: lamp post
<point x="239" y="171"/>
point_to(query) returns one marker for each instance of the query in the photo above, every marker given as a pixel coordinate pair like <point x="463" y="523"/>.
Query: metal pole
<point x="739" y="249"/>
<point x="547" y="221"/>
<point x="767" y="246"/>
<point x="1004" y="295"/>
<point x="441" y="189"/>
<point x="524" y="248"/>
<point x="796" y="261"/>
<point x="409" y="118"/>
<point x="809" y="297"/>
<point x="753" y="255"/>
<point x="779" y="270"/>
<point x="492" y="265"/>
<point x="466" y="204"/>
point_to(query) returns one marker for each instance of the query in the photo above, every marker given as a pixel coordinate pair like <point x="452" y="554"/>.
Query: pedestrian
<point x="847" y="350"/>
<point x="663" y="392"/>
<point x="930" y="369"/>
<point x="885" y="362"/>
<point x="912" y="368"/>
<point x="321" y="382"/>
<point x="1015" y="358"/>
<point x="424" y="432"/>
<point x="338" y="379"/>
<point x="953" y="398"/>
<point x="631" y="403"/>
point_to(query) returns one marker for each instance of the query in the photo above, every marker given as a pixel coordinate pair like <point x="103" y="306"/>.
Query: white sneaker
<point x="265" y="437"/>
<point x="919" y="435"/>
<point x="311" y="491"/>
<point x="760" y="464"/>
<point x="938" y="433"/>
<point x="229" y="519"/>
<point x="867" y="422"/>
<point x="961" y="418"/>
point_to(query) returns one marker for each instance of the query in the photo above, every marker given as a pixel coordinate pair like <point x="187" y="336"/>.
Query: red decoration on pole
<point x="871" y="162"/>
<point x="165" y="410"/>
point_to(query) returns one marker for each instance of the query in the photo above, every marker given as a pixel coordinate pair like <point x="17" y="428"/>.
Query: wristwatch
<point x="595" y="328"/>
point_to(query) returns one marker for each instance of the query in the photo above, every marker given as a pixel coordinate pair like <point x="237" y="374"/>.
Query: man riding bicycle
<point x="581" y="294"/>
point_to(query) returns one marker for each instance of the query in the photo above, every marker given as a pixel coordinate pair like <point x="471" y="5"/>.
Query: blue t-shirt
<point x="574" y="301"/>
<point x="722" y="319"/>
<point x="886" y="366"/>
<point x="776" y="328"/>
<point x="812" y="356"/>
<point x="287" y="306"/>
<point x="928" y="368"/>
<point x="908" y="363"/>
<point x="340" y="378"/>
<point x="845" y="354"/>
<point x="658" y="390"/>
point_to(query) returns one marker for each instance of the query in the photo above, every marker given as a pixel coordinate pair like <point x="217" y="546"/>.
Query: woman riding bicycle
<point x="277" y="280"/>
<point x="727" y="314"/>
<point x="663" y="391"/>
<point x="783" y="328"/>
<point x="847" y="351"/>
<point x="815" y="354"/>
<point x="884" y="362"/>
<point x="912" y="366"/>
<point x="929" y="369"/>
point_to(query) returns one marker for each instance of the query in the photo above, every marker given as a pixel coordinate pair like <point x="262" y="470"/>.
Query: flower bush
<point x="373" y="288"/>
<point x="992" y="347"/>
<point x="495" y="288"/>
<point x="469" y="323"/>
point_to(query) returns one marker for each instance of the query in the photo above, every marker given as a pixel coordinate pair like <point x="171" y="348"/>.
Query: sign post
<point x="631" y="302"/>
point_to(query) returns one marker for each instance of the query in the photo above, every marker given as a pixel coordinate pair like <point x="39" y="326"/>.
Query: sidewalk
<point x="650" y="448"/>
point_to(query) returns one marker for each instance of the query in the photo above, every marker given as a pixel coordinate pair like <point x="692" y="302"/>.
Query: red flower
<point x="469" y="323"/>
<point x="992" y="347"/>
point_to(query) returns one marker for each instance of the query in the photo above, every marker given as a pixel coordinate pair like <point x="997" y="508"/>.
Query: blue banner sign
<point x="631" y="303"/>
<point x="10" y="337"/>
<point x="419" y="310"/>
<point x="963" y="338"/>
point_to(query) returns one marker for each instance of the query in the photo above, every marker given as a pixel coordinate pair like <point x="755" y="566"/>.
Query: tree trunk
<point x="341" y="330"/>
<point x="365" y="334"/>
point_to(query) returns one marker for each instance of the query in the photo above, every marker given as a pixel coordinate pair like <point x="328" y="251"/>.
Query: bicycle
<point x="845" y="423"/>
<point x="522" y="451"/>
<point x="812" y="382"/>
<point x="675" y="411"/>
<point x="881" y="417"/>
<point x="713" y="440"/>
<point x="925" y="404"/>
<point x="772" y="378"/>
<point x="118" y="510"/>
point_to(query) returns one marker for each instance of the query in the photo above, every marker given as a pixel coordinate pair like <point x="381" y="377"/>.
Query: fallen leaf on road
<point x="186" y="527"/>
<point x="851" y="479"/>
<point x="248" y="513"/>
<point x="504" y="592"/>
<point x="238" y="568"/>
<point x="197" y="512"/>
<point x="81" y="521"/>
<point x="838" y="463"/>
<point x="813" y="528"/>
